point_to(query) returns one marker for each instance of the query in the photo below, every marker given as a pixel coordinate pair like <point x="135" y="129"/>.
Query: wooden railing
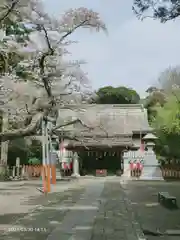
<point x="171" y="171"/>
<point x="23" y="171"/>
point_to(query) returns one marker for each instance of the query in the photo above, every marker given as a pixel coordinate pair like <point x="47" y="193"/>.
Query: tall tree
<point x="167" y="125"/>
<point x="168" y="84"/>
<point x="169" y="79"/>
<point x="156" y="97"/>
<point x="166" y="119"/>
<point x="50" y="81"/>
<point x="117" y="95"/>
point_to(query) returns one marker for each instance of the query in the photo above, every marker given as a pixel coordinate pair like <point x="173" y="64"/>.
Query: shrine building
<point x="104" y="132"/>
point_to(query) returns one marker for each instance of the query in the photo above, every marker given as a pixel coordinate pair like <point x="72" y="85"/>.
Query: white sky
<point x="133" y="53"/>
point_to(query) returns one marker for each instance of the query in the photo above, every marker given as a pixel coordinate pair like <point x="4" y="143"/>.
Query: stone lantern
<point x="151" y="168"/>
<point x="149" y="140"/>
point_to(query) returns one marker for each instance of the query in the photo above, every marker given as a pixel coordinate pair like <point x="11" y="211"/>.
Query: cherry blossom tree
<point x="41" y="81"/>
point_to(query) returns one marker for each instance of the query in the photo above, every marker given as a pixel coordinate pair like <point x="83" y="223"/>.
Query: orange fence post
<point x="45" y="179"/>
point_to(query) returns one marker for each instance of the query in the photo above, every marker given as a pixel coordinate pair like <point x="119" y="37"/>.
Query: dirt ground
<point x="151" y="215"/>
<point x="18" y="198"/>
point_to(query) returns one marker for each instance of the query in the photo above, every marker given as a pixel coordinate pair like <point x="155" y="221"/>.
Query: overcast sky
<point x="132" y="54"/>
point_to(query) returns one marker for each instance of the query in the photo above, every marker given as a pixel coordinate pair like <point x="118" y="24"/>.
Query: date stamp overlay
<point x="26" y="229"/>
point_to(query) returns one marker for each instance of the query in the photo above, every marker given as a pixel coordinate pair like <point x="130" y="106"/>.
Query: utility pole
<point x="45" y="159"/>
<point x="48" y="166"/>
<point x="43" y="144"/>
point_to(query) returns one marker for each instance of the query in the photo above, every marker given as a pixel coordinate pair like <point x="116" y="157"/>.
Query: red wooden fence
<point x="171" y="171"/>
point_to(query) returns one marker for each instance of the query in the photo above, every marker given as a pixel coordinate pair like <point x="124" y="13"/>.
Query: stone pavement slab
<point x="116" y="219"/>
<point x="78" y="223"/>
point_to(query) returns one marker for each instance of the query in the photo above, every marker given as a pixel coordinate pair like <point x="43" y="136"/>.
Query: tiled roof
<point x="105" y="120"/>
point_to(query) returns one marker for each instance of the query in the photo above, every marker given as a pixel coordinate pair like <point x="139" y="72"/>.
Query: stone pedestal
<point x="151" y="169"/>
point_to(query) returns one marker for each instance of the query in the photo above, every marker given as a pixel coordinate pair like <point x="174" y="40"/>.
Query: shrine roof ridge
<point x="126" y="106"/>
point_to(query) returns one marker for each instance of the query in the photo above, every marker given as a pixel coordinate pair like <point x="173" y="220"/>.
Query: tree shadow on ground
<point x="11" y="193"/>
<point x="13" y="189"/>
<point x="28" y="185"/>
<point x="33" y="226"/>
<point x="41" y="199"/>
<point x="39" y="223"/>
<point x="10" y="217"/>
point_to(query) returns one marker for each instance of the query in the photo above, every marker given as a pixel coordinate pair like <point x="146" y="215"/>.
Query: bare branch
<point x="104" y="130"/>
<point x="41" y="62"/>
<point x="27" y="108"/>
<point x="71" y="123"/>
<point x="72" y="30"/>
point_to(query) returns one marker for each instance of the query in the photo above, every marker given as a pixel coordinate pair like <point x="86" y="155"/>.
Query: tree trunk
<point x="4" y="149"/>
<point x="4" y="145"/>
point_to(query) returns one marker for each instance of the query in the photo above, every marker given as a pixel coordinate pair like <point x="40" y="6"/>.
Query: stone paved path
<point x="95" y="210"/>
